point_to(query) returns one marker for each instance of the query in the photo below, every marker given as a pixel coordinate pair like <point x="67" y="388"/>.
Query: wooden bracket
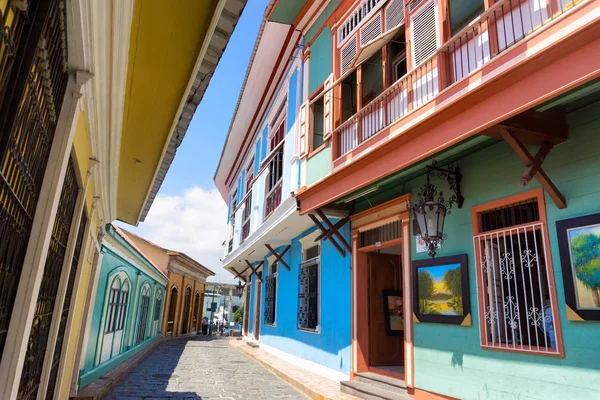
<point x="326" y="235"/>
<point x="279" y="256"/>
<point x="335" y="231"/>
<point x="325" y="230"/>
<point x="254" y="270"/>
<point x="534" y="166"/>
<point x="239" y="274"/>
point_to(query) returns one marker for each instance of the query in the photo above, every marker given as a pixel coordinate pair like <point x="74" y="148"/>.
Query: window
<point x="143" y="314"/>
<point x="462" y="12"/>
<point x="123" y="298"/>
<point x="274" y="179"/>
<point x="271" y="295"/>
<point x="317" y="122"/>
<point x="113" y="306"/>
<point x="372" y="78"/>
<point x="517" y="309"/>
<point x="308" y="295"/>
<point x="157" y="303"/>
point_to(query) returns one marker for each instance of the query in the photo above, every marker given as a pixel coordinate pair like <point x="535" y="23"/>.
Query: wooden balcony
<point x="493" y="33"/>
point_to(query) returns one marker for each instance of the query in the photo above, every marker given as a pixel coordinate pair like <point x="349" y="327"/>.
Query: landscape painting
<point x="394" y="312"/>
<point x="579" y="244"/>
<point x="440" y="290"/>
<point x="584" y="246"/>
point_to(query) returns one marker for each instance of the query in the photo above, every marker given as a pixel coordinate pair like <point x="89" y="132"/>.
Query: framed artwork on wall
<point x="441" y="290"/>
<point x="393" y="307"/>
<point x="579" y="246"/>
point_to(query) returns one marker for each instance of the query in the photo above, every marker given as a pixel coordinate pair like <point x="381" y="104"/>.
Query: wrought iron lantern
<point x="431" y="209"/>
<point x="239" y="290"/>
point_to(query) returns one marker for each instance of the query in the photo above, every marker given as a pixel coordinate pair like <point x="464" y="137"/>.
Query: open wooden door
<point x="385" y="273"/>
<point x="257" y="299"/>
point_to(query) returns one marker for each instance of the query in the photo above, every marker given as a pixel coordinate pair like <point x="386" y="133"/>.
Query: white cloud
<point x="193" y="223"/>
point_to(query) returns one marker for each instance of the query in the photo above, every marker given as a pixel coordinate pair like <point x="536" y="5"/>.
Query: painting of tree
<point x="440" y="290"/>
<point x="585" y="255"/>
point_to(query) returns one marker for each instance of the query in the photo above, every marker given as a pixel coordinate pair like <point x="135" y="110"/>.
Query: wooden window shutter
<point x="347" y="54"/>
<point x="371" y="30"/>
<point x="394" y="14"/>
<point x="424" y="32"/>
<point x="303" y="135"/>
<point x="328" y="108"/>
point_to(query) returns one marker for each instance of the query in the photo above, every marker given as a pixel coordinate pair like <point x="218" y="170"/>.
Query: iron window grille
<point x="143" y="315"/>
<point x="157" y="304"/>
<point x="113" y="306"/>
<point x="271" y="296"/>
<point x="308" y="294"/>
<point x="123" y="299"/>
<point x="516" y="307"/>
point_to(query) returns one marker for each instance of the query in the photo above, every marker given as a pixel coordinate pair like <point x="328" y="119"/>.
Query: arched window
<point x="195" y="312"/>
<point x="157" y="304"/>
<point x="143" y="314"/>
<point x="124" y="298"/>
<point x="113" y="306"/>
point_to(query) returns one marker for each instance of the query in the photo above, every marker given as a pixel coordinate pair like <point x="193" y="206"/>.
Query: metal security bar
<point x="65" y="309"/>
<point x="270" y="299"/>
<point x="516" y="301"/>
<point x="30" y="100"/>
<point x="143" y="316"/>
<point x="308" y="297"/>
<point x="383" y="233"/>
<point x="44" y="310"/>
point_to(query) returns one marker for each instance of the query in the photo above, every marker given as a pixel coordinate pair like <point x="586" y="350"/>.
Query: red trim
<point x="234" y="169"/>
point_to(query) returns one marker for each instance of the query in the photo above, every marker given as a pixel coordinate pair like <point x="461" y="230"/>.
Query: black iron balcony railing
<point x="500" y="27"/>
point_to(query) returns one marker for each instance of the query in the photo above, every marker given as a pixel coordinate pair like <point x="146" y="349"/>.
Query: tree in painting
<point x="425" y="291"/>
<point x="585" y="249"/>
<point x="453" y="280"/>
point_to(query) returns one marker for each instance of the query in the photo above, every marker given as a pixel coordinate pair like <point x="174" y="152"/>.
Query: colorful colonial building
<point x="94" y="101"/>
<point x="442" y="156"/>
<point x="128" y="307"/>
<point x="187" y="279"/>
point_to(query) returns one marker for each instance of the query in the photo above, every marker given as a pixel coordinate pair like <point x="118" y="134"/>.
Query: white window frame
<point x="308" y="242"/>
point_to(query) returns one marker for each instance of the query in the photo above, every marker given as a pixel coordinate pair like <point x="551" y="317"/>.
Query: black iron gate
<point x="143" y="317"/>
<point x="33" y="79"/>
<point x="44" y="309"/>
<point x="64" y="315"/>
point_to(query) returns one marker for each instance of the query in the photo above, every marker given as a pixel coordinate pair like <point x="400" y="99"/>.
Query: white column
<point x="19" y="329"/>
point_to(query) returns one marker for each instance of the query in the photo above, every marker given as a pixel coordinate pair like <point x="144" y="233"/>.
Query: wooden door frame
<point x="391" y="211"/>
<point x="257" y="301"/>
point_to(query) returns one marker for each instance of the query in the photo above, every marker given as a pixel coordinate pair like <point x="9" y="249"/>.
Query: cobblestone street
<point x="201" y="369"/>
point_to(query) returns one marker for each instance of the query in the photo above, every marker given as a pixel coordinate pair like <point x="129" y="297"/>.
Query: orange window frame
<point x="476" y="212"/>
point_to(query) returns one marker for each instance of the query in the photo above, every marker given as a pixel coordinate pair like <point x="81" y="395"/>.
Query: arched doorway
<point x="172" y="310"/>
<point x="195" y="312"/>
<point x="186" y="310"/>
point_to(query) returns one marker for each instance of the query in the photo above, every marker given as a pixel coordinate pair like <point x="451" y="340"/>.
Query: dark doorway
<point x="386" y="346"/>
<point x="172" y="309"/>
<point x="257" y="299"/>
<point x="186" y="310"/>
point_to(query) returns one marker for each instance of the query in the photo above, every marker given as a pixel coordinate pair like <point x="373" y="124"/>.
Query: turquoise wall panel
<point x="320" y="66"/>
<point x="318" y="165"/>
<point x="330" y="347"/>
<point x="449" y="359"/>
<point x="265" y="143"/>
<point x="321" y="20"/>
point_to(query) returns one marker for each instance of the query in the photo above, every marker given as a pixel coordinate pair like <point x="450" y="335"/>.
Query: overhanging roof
<point x="226" y="17"/>
<point x="273" y="48"/>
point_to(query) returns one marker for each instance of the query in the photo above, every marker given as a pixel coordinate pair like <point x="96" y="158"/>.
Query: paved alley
<point x="201" y="369"/>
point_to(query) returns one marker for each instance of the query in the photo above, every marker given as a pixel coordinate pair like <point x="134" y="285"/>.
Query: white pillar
<point x="19" y="329"/>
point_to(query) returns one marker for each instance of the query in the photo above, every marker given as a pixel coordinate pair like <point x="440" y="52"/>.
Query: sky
<point x="188" y="214"/>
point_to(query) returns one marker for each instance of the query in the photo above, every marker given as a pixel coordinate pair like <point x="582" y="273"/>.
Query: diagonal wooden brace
<point x="254" y="270"/>
<point x="279" y="256"/>
<point x="534" y="166"/>
<point x="239" y="274"/>
<point x="337" y="234"/>
<point x="324" y="230"/>
<point x="338" y="225"/>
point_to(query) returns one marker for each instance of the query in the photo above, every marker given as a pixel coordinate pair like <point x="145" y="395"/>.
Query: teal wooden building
<point x="127" y="308"/>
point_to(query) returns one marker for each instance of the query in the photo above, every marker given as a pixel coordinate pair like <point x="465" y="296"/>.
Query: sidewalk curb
<point x="313" y="394"/>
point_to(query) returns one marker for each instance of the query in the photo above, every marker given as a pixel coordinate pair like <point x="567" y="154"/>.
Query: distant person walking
<point x="205" y="326"/>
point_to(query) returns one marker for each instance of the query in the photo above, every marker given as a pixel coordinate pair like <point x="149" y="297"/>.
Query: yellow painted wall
<point x="82" y="151"/>
<point x="164" y="46"/>
<point x="181" y="282"/>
